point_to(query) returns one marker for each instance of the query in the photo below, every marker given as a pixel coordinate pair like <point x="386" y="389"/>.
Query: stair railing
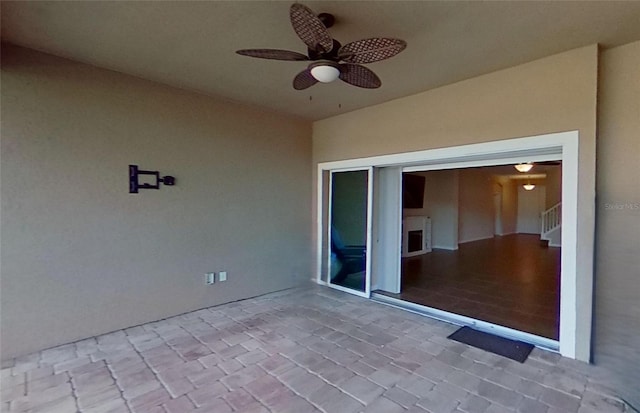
<point x="551" y="219"/>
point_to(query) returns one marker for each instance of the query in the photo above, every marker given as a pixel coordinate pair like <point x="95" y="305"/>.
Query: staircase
<point x="551" y="231"/>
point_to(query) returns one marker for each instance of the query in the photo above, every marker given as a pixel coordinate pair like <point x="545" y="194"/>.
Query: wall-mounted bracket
<point x="135" y="184"/>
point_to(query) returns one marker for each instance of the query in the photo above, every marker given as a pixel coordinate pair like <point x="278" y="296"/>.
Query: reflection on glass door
<point x="350" y="231"/>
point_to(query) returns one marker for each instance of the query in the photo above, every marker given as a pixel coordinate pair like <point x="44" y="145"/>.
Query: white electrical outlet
<point x="210" y="277"/>
<point x="222" y="276"/>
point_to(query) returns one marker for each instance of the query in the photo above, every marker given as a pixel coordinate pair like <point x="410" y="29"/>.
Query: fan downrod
<point x="327" y="19"/>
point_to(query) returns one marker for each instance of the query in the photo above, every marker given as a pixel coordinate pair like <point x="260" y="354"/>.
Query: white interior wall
<point x="475" y="206"/>
<point x="442" y="197"/>
<point x="497" y="208"/>
<point x="509" y="207"/>
<point x="553" y="184"/>
<point x="531" y="204"/>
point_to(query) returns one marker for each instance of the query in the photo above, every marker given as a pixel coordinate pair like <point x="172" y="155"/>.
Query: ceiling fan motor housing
<point x="327" y="19"/>
<point x="330" y="55"/>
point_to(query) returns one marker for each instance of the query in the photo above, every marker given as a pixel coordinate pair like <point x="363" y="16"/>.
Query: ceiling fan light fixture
<point x="325" y="72"/>
<point x="524" y="167"/>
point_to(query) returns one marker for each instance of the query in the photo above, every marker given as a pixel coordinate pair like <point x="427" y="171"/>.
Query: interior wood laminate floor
<point x="511" y="280"/>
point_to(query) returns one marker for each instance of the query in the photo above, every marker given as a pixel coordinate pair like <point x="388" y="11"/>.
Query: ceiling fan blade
<point x="304" y="80"/>
<point x="310" y="28"/>
<point x="274" y="54"/>
<point x="371" y="50"/>
<point x="358" y="75"/>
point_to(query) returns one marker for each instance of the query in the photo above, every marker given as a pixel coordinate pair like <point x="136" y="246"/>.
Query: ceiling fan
<point x="329" y="59"/>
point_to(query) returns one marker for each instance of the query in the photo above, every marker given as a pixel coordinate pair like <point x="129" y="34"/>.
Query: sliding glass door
<point x="349" y="232"/>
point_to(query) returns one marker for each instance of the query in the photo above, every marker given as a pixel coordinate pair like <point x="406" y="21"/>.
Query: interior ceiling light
<point x="524" y="167"/>
<point x="325" y="72"/>
<point x="528" y="187"/>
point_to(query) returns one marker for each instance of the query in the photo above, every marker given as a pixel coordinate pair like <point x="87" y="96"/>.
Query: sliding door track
<point x="460" y="320"/>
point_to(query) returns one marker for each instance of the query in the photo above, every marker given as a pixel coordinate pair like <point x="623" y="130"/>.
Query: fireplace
<point x="414" y="242"/>
<point x="416" y="236"/>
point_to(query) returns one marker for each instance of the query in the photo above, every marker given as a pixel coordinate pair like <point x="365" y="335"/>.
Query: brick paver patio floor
<point x="298" y="351"/>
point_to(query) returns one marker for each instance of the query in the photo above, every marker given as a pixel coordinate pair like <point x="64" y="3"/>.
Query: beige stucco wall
<point x="617" y="280"/>
<point x="553" y="94"/>
<point x="81" y="256"/>
<point x="557" y="93"/>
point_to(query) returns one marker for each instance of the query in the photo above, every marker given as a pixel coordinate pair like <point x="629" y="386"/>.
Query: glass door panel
<point x="350" y="231"/>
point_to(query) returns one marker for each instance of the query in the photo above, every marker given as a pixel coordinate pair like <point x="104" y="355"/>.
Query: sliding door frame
<point x="575" y="326"/>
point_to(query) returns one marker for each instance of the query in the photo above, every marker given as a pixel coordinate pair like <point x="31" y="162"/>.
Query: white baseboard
<point x="474" y="239"/>
<point x="443" y="247"/>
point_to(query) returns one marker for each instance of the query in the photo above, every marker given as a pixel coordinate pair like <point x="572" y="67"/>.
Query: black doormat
<point x="515" y="350"/>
